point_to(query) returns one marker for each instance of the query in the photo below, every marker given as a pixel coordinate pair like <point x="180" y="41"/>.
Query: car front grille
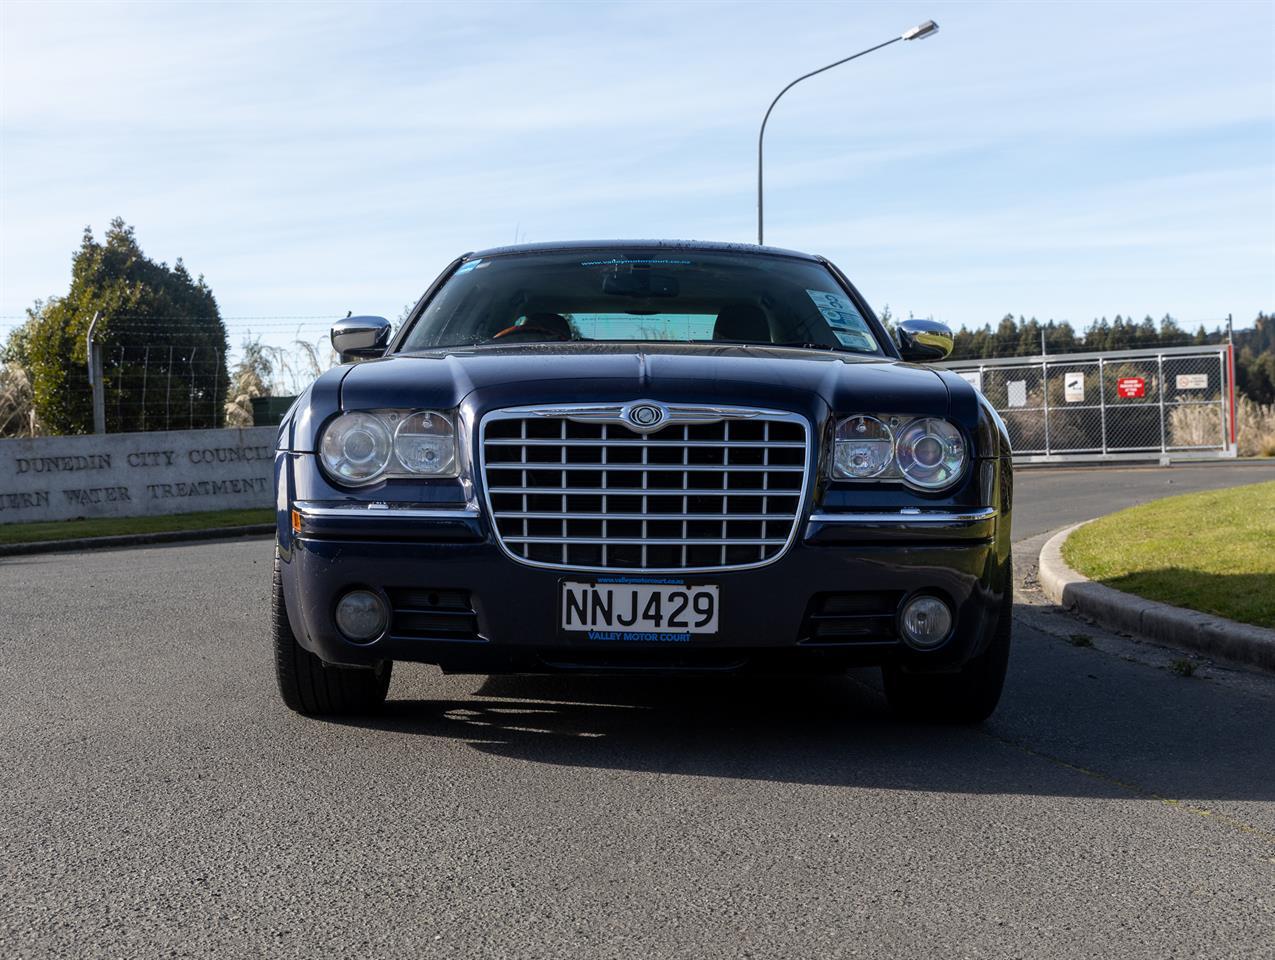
<point x="574" y="487"/>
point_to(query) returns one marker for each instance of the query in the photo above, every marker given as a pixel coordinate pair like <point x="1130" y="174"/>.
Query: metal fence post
<point x="1044" y="379"/>
<point x="168" y="390"/>
<point x="1226" y="393"/>
<point x="1228" y="362"/>
<point x="216" y="379"/>
<point x="1102" y="401"/>
<point x="190" y="389"/>
<point x="146" y="366"/>
<point x="95" y="377"/>
<point x="119" y="385"/>
<point x="1164" y="449"/>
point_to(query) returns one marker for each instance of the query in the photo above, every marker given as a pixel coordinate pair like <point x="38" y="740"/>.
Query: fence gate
<point x="1172" y="403"/>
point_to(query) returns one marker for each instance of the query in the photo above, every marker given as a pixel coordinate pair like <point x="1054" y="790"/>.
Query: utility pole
<point x="95" y="378"/>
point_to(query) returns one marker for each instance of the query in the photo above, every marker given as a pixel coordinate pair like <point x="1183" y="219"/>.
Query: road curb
<point x="1160" y="622"/>
<point x="134" y="540"/>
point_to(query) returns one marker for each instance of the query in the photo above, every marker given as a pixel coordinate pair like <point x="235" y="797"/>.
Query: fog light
<point x="925" y="622"/>
<point x="361" y="615"/>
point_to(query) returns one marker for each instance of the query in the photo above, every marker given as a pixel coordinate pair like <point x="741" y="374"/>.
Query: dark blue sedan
<point x="643" y="457"/>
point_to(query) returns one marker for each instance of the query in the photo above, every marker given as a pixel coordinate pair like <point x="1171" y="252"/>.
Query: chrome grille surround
<point x="582" y="487"/>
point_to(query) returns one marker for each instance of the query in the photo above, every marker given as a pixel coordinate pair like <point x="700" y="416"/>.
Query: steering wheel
<point x="527" y="327"/>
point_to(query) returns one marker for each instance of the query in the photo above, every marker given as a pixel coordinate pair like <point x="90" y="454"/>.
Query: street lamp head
<point x="921" y="31"/>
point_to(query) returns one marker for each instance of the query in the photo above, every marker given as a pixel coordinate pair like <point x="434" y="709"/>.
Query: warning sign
<point x="1193" y="381"/>
<point x="1131" y="387"/>
<point x="1074" y="387"/>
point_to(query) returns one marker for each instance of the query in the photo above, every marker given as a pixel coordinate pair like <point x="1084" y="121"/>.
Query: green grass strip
<point x="1213" y="552"/>
<point x="119" y="526"/>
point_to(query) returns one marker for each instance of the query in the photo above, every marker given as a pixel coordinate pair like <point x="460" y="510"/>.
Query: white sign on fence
<point x="135" y="474"/>
<point x="1017" y="390"/>
<point x="1074" y="387"/>
<point x="973" y="377"/>
<point x="1193" y="381"/>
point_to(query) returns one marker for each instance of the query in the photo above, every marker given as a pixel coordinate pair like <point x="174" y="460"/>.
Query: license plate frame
<point x="583" y="619"/>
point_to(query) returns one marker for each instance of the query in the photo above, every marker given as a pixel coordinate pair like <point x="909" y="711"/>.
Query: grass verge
<point x="1213" y="552"/>
<point x="119" y="526"/>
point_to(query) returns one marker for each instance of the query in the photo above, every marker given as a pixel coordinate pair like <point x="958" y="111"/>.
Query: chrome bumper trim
<point x="908" y="517"/>
<point x="388" y="512"/>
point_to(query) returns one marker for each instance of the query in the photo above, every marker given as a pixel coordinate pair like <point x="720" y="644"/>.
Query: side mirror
<point x="924" y="341"/>
<point x="360" y="338"/>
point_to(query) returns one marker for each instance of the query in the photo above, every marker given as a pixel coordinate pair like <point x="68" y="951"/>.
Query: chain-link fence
<point x="171" y="387"/>
<point x="1152" y="404"/>
<point x="1156" y="402"/>
<point x="169" y="384"/>
<point x="133" y="374"/>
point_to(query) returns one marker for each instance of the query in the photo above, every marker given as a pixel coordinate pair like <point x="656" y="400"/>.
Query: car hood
<point x="525" y="374"/>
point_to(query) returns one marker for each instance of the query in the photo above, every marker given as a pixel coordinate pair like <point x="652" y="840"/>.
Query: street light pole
<point x="919" y="32"/>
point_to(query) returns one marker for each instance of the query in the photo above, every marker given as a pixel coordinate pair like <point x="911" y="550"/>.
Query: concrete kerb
<point x="134" y="540"/>
<point x="1159" y="622"/>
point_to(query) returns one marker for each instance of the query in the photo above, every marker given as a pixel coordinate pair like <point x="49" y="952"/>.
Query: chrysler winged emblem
<point x="645" y="416"/>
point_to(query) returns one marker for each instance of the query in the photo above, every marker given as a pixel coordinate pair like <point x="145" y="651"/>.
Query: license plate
<point x="638" y="611"/>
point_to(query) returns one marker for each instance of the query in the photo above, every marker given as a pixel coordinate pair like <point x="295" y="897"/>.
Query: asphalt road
<point x="157" y="800"/>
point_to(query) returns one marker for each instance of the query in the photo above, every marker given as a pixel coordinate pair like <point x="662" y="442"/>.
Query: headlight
<point x="864" y="448"/>
<point x="356" y="447"/>
<point x="425" y="442"/>
<point x="364" y="446"/>
<point x="930" y="453"/>
<point x="926" y="453"/>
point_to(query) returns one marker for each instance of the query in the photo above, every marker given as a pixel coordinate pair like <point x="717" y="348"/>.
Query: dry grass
<point x="265" y="371"/>
<point x="1199" y="426"/>
<point x="1255" y="428"/>
<point x="17" y="409"/>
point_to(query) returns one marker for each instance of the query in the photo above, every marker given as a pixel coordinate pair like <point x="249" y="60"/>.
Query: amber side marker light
<point x="296" y="521"/>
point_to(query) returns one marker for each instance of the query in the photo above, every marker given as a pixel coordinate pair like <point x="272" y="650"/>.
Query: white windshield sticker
<point x="855" y="340"/>
<point x="841" y="314"/>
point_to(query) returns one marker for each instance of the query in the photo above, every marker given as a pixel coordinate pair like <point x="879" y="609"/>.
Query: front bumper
<point x="771" y="617"/>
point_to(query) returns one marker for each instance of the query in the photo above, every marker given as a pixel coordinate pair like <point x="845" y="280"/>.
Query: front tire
<point x="307" y="684"/>
<point x="967" y="696"/>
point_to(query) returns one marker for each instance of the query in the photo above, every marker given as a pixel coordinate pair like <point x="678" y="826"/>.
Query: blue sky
<point x="1061" y="160"/>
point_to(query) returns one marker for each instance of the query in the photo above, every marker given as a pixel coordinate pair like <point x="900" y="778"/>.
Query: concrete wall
<point x="135" y="474"/>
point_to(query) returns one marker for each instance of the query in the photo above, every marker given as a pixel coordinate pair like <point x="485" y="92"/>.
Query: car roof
<point x="602" y="245"/>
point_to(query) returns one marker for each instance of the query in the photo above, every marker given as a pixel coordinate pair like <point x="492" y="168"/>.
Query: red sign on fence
<point x="1131" y="387"/>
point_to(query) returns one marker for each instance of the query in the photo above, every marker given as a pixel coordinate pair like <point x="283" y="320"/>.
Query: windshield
<point x="690" y="296"/>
